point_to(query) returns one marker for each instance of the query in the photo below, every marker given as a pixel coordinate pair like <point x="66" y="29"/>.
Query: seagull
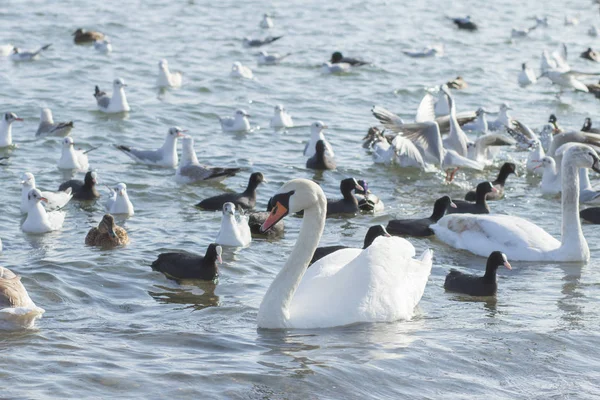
<point x="55" y="200"/>
<point x="103" y="46"/>
<point x="191" y="171"/>
<point x="38" y="220"/>
<point x="238" y="123"/>
<point x="24" y="55"/>
<point x="281" y="119"/>
<point x="338" y="58"/>
<point x="526" y="76"/>
<point x="551" y="178"/>
<point x="568" y="80"/>
<point x="338" y="68"/>
<point x="591" y="55"/>
<point x="240" y="71"/>
<point x="503" y="120"/>
<point x="457" y="139"/>
<point x="82" y="36"/>
<point x="6" y="129"/>
<point x="480" y="124"/>
<point x="48" y="127"/>
<point x="428" y="51"/>
<point x="464" y="23"/>
<point x="571" y="20"/>
<point x="587" y="194"/>
<point x="115" y="104"/>
<point x="265" y="58"/>
<point x="6" y="49"/>
<point x="557" y="61"/>
<point x="526" y="139"/>
<point x="166" y="156"/>
<point x="266" y="22"/>
<point x="165" y="77"/>
<point x="118" y="201"/>
<point x="249" y="42"/>
<point x="73" y="159"/>
<point x="316" y="134"/>
<point x="519" y="33"/>
<point x="479" y="150"/>
<point x="593" y="31"/>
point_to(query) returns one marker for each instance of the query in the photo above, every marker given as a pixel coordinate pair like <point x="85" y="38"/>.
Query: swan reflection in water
<point x="194" y="294"/>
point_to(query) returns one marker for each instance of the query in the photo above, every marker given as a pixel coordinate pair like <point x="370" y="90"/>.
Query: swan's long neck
<point x="572" y="236"/>
<point x="584" y="179"/>
<point x="5" y="134"/>
<point x="274" y="311"/>
<point x="456" y="133"/>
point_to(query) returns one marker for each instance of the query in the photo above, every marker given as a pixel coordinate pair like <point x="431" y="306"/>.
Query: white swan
<point x="381" y="283"/>
<point x="38" y="220"/>
<point x="235" y="233"/>
<point x="519" y="238"/>
<point x="55" y="201"/>
<point x="17" y="310"/>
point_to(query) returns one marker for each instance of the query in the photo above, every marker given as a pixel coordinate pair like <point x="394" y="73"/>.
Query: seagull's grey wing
<point x="525" y="130"/>
<point x="227" y="121"/>
<point x="429" y="141"/>
<point x="519" y="137"/>
<point x="195" y="172"/>
<point x="408" y="155"/>
<point x="452" y="160"/>
<point x="151" y="156"/>
<point x="426" y="110"/>
<point x="387" y="118"/>
<point x="577" y="74"/>
<point x="61" y="125"/>
<point x="494" y="139"/>
<point x="103" y="101"/>
<point x="44" y="128"/>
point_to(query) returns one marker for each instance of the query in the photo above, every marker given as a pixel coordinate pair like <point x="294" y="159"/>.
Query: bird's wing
<point x="387" y="118"/>
<point x="524" y="129"/>
<point x="151" y="156"/>
<point x="426" y="110"/>
<point x="453" y="159"/>
<point x="103" y="101"/>
<point x="428" y="140"/>
<point x="494" y="139"/>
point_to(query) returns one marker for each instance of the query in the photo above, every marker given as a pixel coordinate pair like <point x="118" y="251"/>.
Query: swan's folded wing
<point x="426" y="110"/>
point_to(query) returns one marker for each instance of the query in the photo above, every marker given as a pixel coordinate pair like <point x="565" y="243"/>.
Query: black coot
<point x="420" y="227"/>
<point x="245" y="200"/>
<point x="190" y="266"/>
<point x="473" y="285"/>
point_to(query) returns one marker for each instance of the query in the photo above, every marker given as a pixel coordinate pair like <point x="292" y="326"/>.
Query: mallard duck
<point x="83" y="36"/>
<point x="107" y="234"/>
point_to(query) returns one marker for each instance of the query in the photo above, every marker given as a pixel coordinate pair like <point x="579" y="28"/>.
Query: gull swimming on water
<point x="191" y="171"/>
<point x="54" y="200"/>
<point x="240" y="71"/>
<point x="503" y="120"/>
<point x="48" y="127"/>
<point x="264" y="58"/>
<point x="249" y="42"/>
<point x="6" y="129"/>
<point x="118" y="201"/>
<point x="519" y="33"/>
<point x="6" y="49"/>
<point x="17" y="310"/>
<point x="234" y="232"/>
<point x="428" y="51"/>
<point x="73" y="159"/>
<point x="115" y="104"/>
<point x="238" y="123"/>
<point x="526" y="76"/>
<point x="480" y="124"/>
<point x="165" y="156"/>
<point x="338" y="68"/>
<point x="167" y="78"/>
<point x="24" y="55"/>
<point x="103" y="46"/>
<point x="266" y="22"/>
<point x="38" y="220"/>
<point x="316" y="134"/>
<point x="281" y="118"/>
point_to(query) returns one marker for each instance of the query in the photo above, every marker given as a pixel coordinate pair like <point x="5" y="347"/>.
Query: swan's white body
<point x="118" y="202"/>
<point x="519" y="238"/>
<point x="55" y="201"/>
<point x="316" y="134"/>
<point x="167" y="78"/>
<point x="38" y="220"/>
<point x="381" y="283"/>
<point x="17" y="310"/>
<point x="240" y="71"/>
<point x="234" y="232"/>
<point x="281" y="119"/>
<point x="71" y="158"/>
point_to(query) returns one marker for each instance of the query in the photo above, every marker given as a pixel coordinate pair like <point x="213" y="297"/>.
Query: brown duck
<point x="18" y="310"/>
<point x="83" y="36"/>
<point x="107" y="234"/>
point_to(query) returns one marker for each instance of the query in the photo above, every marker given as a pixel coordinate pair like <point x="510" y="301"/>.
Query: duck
<point x="480" y="205"/>
<point x="72" y="159"/>
<point x="83" y="190"/>
<point x="587" y="126"/>
<point x="551" y="180"/>
<point x="372" y="233"/>
<point x="182" y="265"/>
<point x="591" y="215"/>
<point x="552" y="120"/>
<point x="506" y="169"/>
<point x="38" y="220"/>
<point x="457" y="83"/>
<point x="348" y="204"/>
<point x="383" y="282"/>
<point x="6" y="129"/>
<point x="55" y="200"/>
<point x="526" y="76"/>
<point x="465" y="23"/>
<point x="165" y="156"/>
<point x="48" y="127"/>
<point x="281" y="118"/>
<point x="238" y="70"/>
<point x="234" y="232"/>
<point x="238" y="123"/>
<point x="472" y="285"/>
<point x="591" y="55"/>
<point x="367" y="201"/>
<point x="118" y="202"/>
<point x="321" y="160"/>
<point x="594" y="88"/>
<point x="521" y="239"/>
<point x="245" y="200"/>
<point x="17" y="310"/>
<point x="191" y="171"/>
<point x="166" y="78"/>
<point x="257" y="218"/>
<point x="338" y="58"/>
<point x="420" y="227"/>
<point x="115" y="104"/>
<point x="107" y="234"/>
<point x="316" y="134"/>
<point x="81" y="36"/>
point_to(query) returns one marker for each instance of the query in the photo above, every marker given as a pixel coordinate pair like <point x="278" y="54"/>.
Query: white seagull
<point x="55" y="200"/>
<point x="480" y="124"/>
<point x="103" y="46"/>
<point x="167" y="78"/>
<point x="166" y="156"/>
<point x="238" y="123"/>
<point x="526" y="76"/>
<point x="503" y="120"/>
<point x="38" y="220"/>
<point x="115" y="104"/>
<point x="316" y="134"/>
<point x="234" y="232"/>
<point x="266" y="22"/>
<point x="24" y="55"/>
<point x="264" y="58"/>
<point x="281" y="118"/>
<point x="118" y="202"/>
<point x="73" y="159"/>
<point x="338" y="68"/>
<point x="191" y="171"/>
<point x="6" y="129"/>
<point x="240" y="71"/>
<point x="48" y="127"/>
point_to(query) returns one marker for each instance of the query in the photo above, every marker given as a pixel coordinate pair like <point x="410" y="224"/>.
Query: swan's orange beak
<point x="277" y="214"/>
